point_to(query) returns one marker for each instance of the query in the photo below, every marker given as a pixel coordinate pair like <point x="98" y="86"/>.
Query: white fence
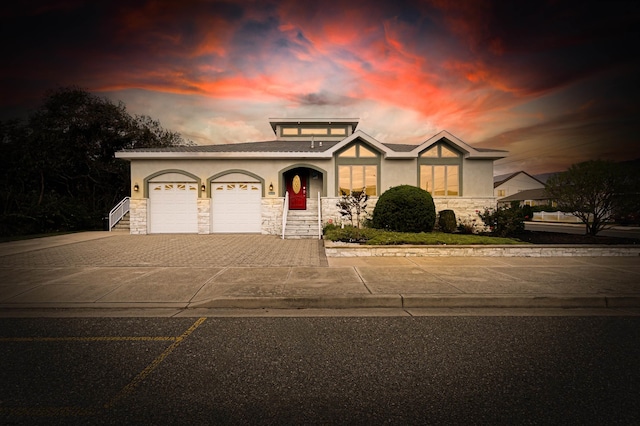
<point x="555" y="217"/>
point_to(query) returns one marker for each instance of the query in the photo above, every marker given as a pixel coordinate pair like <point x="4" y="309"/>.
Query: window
<point x="502" y="192"/>
<point x="440" y="180"/>
<point x="358" y="178"/>
<point x="305" y="131"/>
<point x="440" y="168"/>
<point x="357" y="170"/>
<point x="313" y="130"/>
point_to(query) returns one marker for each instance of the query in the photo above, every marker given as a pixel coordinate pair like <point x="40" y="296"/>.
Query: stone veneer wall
<point x="336" y="249"/>
<point x="204" y="215"/>
<point x="138" y="216"/>
<point x="272" y="215"/>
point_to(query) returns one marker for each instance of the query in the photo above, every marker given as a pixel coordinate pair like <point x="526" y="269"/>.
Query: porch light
<point x="136" y="187"/>
<point x="271" y="187"/>
<point x="203" y="188"/>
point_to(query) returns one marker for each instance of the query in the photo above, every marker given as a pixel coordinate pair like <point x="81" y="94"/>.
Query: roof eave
<point x="217" y="155"/>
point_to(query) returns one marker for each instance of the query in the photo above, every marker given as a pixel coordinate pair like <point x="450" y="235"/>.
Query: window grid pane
<point x="452" y="180"/>
<point x="371" y="180"/>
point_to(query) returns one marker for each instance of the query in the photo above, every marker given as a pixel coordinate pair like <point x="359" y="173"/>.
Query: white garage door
<point x="173" y="207"/>
<point x="236" y="207"/>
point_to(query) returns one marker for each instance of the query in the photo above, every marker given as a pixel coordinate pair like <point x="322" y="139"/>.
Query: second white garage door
<point x="236" y="207"/>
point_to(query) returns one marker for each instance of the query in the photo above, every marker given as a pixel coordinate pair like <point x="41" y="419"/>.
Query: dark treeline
<point x="58" y="167"/>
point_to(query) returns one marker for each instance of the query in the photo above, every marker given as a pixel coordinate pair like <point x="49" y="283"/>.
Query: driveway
<point x="187" y="250"/>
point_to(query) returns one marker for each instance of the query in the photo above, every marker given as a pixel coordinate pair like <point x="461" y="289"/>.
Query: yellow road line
<point x="154" y="364"/>
<point x="90" y="339"/>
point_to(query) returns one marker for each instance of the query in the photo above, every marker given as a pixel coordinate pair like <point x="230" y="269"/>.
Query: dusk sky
<point x="552" y="82"/>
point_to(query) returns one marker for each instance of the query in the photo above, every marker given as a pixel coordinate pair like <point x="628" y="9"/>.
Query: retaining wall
<point x="336" y="249"/>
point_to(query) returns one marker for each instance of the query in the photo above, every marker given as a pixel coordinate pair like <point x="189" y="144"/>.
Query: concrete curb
<point x="396" y="301"/>
<point x="406" y="301"/>
<point x="302" y="302"/>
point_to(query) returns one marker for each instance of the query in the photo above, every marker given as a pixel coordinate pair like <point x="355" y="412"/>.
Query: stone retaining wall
<point x="335" y="249"/>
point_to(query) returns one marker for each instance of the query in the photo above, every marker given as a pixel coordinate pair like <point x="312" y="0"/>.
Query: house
<point x="242" y="187"/>
<point x="528" y="197"/>
<point x="512" y="183"/>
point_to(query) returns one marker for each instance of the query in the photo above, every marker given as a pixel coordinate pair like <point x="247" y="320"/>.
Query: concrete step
<point x="123" y="224"/>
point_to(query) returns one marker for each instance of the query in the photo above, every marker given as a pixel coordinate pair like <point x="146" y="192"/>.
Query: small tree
<point x="589" y="190"/>
<point x="353" y="206"/>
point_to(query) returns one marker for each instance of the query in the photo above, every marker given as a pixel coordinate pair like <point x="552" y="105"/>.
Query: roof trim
<point x="275" y="121"/>
<point x="468" y="151"/>
<point x="514" y="174"/>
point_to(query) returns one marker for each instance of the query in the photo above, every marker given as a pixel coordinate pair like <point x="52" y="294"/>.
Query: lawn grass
<point x="372" y="236"/>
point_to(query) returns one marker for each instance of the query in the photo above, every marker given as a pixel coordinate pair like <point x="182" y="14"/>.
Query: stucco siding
<point x="477" y="178"/>
<point x="398" y="172"/>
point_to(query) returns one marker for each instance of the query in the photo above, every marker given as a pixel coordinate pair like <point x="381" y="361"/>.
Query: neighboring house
<point x="512" y="183"/>
<point x="240" y="188"/>
<point x="528" y="197"/>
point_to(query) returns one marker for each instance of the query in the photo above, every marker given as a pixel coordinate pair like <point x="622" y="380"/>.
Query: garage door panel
<point x="173" y="207"/>
<point x="236" y="207"/>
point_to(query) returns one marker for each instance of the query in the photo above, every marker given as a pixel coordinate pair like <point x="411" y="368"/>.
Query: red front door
<point x="297" y="188"/>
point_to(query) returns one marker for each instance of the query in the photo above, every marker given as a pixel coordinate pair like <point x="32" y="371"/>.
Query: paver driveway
<point x="175" y="250"/>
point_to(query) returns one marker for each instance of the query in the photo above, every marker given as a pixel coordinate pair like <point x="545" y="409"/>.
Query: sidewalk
<point x="177" y="273"/>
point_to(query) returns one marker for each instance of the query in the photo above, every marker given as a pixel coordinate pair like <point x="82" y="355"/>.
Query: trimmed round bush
<point x="405" y="208"/>
<point x="447" y="221"/>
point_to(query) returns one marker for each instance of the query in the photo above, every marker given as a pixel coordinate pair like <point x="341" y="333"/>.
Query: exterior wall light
<point x="271" y="187"/>
<point x="136" y="187"/>
<point x="203" y="188"/>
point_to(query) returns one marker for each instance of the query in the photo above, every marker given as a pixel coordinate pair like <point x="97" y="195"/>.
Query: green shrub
<point x="405" y="208"/>
<point x="504" y="222"/>
<point x="447" y="221"/>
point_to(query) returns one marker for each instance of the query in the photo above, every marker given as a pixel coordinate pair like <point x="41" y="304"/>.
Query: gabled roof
<point x="500" y="179"/>
<point x="527" y="194"/>
<point x="468" y="151"/>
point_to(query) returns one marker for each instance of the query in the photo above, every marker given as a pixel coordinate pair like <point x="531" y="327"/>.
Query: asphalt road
<point x="398" y="370"/>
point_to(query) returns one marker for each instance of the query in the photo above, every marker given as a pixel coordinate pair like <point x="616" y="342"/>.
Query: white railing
<point x="285" y="211"/>
<point x="319" y="217"/>
<point x="555" y="217"/>
<point x="118" y="212"/>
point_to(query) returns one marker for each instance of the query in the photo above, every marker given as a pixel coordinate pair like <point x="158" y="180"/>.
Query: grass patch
<point x="372" y="236"/>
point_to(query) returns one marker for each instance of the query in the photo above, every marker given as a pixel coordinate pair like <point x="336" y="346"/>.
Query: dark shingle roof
<point x="267" y="146"/>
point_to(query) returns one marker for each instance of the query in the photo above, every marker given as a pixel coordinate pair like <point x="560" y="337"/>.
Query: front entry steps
<point x="302" y="223"/>
<point x="123" y="224"/>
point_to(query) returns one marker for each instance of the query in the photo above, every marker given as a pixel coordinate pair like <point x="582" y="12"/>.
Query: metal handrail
<point x="285" y="211"/>
<point x="118" y="212"/>
<point x="319" y="217"/>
